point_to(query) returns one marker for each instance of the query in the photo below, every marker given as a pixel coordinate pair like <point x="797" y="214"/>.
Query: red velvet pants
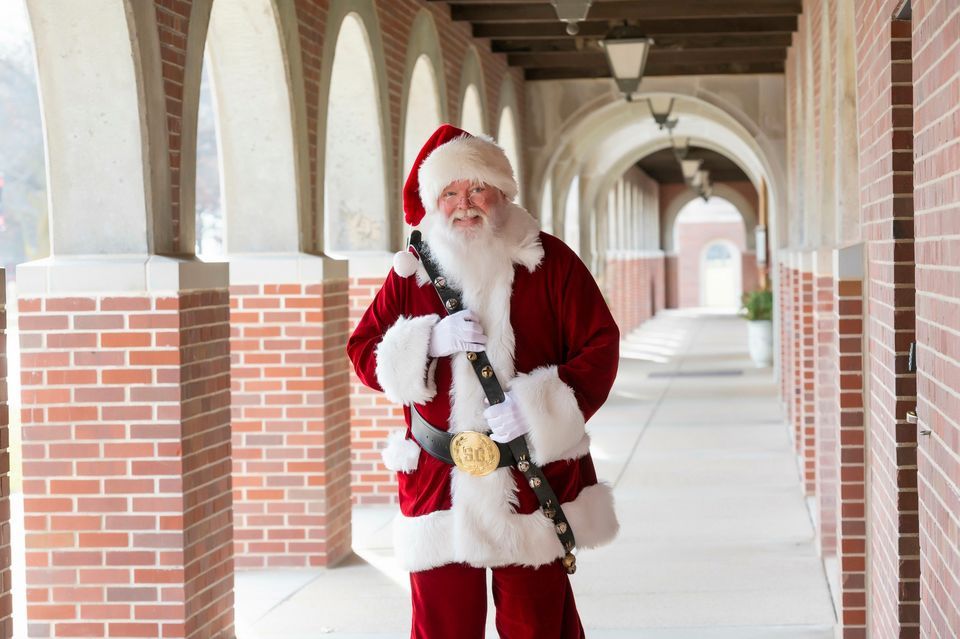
<point x="450" y="602"/>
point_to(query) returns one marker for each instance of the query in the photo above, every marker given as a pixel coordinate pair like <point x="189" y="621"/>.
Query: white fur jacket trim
<point x="550" y="408"/>
<point x="403" y="360"/>
<point x="401" y="454"/>
<point x="502" y="539"/>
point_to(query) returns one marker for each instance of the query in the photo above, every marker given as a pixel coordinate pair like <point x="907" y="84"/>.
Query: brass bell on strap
<point x="569" y="563"/>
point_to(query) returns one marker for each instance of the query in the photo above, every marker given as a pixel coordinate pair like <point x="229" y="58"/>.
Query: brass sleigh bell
<point x="569" y="563"/>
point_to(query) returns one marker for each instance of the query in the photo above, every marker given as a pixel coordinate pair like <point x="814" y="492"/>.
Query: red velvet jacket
<point x="554" y="344"/>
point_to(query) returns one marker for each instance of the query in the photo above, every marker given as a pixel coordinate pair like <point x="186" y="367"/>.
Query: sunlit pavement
<point x="716" y="542"/>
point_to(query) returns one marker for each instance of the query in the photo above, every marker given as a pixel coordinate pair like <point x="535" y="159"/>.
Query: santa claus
<point x="528" y="327"/>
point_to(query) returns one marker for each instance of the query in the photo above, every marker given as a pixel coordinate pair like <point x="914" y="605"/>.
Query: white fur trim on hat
<point x="478" y="159"/>
<point x="405" y="263"/>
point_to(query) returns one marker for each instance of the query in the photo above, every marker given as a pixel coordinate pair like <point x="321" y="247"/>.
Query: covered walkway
<point x="717" y="542"/>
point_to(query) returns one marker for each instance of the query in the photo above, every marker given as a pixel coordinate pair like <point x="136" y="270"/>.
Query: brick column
<point x="848" y="356"/>
<point x="885" y="114"/>
<point x="6" y="600"/>
<point x="936" y="72"/>
<point x="126" y="448"/>
<point x="372" y="415"/>
<point x="786" y="334"/>
<point x="825" y="408"/>
<point x="807" y="423"/>
<point x="291" y="410"/>
<point x="796" y="355"/>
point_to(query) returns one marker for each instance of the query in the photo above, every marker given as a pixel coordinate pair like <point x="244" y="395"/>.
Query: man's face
<point x="469" y="206"/>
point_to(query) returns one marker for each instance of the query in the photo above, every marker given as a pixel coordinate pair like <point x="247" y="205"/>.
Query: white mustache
<point x="467" y="215"/>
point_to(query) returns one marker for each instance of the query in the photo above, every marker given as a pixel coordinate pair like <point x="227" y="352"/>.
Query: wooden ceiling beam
<point x="568" y="60"/>
<point x="664" y="69"/>
<point x="680" y="43"/>
<point x="630" y="10"/>
<point x="654" y="28"/>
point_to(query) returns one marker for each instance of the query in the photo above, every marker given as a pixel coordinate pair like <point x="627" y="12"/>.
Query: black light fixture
<point x="572" y="12"/>
<point x="627" y="48"/>
<point x="690" y="169"/>
<point x="661" y="112"/>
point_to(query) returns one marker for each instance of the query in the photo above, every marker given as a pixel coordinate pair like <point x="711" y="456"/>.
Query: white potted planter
<point x="758" y="310"/>
<point x="760" y="341"/>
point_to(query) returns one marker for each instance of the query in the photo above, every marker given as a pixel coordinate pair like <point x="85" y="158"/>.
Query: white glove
<point x="505" y="420"/>
<point x="456" y="333"/>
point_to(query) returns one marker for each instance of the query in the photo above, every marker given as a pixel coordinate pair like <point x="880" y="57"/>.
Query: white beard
<point x="473" y="260"/>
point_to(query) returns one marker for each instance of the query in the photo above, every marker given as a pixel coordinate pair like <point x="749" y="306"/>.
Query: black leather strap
<point x="549" y="504"/>
<point x="517" y="449"/>
<point x="437" y="442"/>
<point x="453" y="303"/>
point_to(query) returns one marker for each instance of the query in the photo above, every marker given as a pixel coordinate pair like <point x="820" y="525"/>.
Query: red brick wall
<point x="6" y="601"/>
<point x="825" y="407"/>
<point x="290" y="424"/>
<point x="635" y="289"/>
<point x="936" y="82"/>
<point x="885" y="95"/>
<point x="806" y="426"/>
<point x="126" y="465"/>
<point x="173" y="24"/>
<point x="372" y="417"/>
<point x="848" y="363"/>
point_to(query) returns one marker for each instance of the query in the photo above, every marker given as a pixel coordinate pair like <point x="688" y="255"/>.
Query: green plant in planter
<point x="757" y="305"/>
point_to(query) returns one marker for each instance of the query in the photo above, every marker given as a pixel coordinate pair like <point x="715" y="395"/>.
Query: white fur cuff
<point x="402" y="360"/>
<point x="550" y="408"/>
<point x="401" y="454"/>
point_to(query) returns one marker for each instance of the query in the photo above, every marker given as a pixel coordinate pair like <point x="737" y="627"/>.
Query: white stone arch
<point x="473" y="94"/>
<point x="257" y="126"/>
<point x="355" y="195"/>
<point x="103" y="98"/>
<point x="365" y="11"/>
<point x="737" y="267"/>
<point x="573" y="233"/>
<point x="424" y="60"/>
<point x="717" y="114"/>
<point x="546" y="207"/>
<point x="508" y="129"/>
<point x="623" y="137"/>
<point x="668" y="228"/>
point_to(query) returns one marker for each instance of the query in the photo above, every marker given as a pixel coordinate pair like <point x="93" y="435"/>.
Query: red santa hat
<point x="449" y="155"/>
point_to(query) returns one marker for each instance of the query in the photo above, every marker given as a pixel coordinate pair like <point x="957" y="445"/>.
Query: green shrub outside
<point x="757" y="305"/>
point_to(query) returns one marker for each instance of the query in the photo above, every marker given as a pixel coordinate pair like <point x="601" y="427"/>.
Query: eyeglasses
<point x="474" y="195"/>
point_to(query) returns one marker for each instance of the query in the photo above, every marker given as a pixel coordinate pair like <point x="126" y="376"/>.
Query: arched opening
<point x="710" y="242"/>
<point x="471" y="115"/>
<point x="423" y="114"/>
<point x="355" y="202"/>
<point x="250" y="105"/>
<point x="211" y="225"/>
<point x="507" y="137"/>
<point x="24" y="236"/>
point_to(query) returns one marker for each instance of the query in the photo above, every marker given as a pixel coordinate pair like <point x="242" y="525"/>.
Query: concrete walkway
<point x="716" y="541"/>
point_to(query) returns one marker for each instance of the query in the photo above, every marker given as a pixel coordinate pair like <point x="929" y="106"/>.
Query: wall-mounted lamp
<point x="660" y="109"/>
<point x="626" y="48"/>
<point x="681" y="152"/>
<point x="573" y="12"/>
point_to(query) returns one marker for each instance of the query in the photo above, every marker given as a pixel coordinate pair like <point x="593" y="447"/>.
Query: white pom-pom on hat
<point x="405" y="263"/>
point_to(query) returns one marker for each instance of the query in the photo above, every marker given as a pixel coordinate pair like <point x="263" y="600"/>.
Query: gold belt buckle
<point x="474" y="453"/>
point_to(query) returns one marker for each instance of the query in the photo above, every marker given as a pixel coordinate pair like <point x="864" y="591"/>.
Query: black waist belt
<point x="437" y="442"/>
